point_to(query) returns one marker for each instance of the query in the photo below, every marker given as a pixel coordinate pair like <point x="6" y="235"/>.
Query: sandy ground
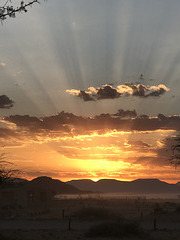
<point x="159" y="219"/>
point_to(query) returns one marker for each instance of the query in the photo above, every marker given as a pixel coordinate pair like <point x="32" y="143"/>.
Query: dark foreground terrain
<point x="135" y="218"/>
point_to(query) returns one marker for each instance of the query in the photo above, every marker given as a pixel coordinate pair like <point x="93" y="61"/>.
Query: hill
<point x="136" y="186"/>
<point x="47" y="183"/>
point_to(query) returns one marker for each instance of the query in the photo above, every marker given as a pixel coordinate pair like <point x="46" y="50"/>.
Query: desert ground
<point x="134" y="218"/>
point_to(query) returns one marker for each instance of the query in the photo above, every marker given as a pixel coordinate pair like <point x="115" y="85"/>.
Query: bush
<point x="115" y="229"/>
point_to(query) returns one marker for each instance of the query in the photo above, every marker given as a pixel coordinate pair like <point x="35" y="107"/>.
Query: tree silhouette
<point x="9" y="10"/>
<point x="6" y="171"/>
<point x="175" y="148"/>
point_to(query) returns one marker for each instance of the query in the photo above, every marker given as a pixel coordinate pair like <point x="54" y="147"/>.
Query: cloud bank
<point x="128" y="89"/>
<point x="68" y="124"/>
<point x="125" y="141"/>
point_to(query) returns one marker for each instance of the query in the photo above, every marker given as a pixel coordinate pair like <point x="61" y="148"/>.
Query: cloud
<point x="107" y="92"/>
<point x="5" y="133"/>
<point x="85" y="96"/>
<point x="67" y="125"/>
<point x="147" y="91"/>
<point x="73" y="92"/>
<point x="5" y="102"/>
<point x="123" y="120"/>
<point x="138" y="143"/>
<point x="23" y="120"/>
<point x="172" y="122"/>
<point x="10" y="138"/>
<point x="128" y="89"/>
<point x="34" y="124"/>
<point x="103" y="139"/>
<point x="125" y="113"/>
<point x="162" y="152"/>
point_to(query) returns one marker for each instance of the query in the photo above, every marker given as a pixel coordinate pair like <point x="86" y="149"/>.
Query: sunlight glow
<point x="85" y="46"/>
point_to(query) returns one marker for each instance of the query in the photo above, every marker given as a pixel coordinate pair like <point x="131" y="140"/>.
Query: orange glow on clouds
<point x="81" y="153"/>
<point x="120" y="155"/>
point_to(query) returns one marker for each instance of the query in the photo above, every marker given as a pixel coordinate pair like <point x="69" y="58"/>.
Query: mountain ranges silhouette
<point x="103" y="185"/>
<point x="136" y="186"/>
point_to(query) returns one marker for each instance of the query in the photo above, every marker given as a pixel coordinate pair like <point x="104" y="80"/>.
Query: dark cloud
<point x="128" y="89"/>
<point x="144" y="91"/>
<point x="138" y="90"/>
<point x="56" y="122"/>
<point x="143" y="116"/>
<point x="85" y="96"/>
<point x="25" y="121"/>
<point x="172" y="122"/>
<point x="71" y="124"/>
<point x="5" y="102"/>
<point x="62" y="119"/>
<point x="107" y="92"/>
<point x="162" y="117"/>
<point x="125" y="113"/>
<point x="157" y="92"/>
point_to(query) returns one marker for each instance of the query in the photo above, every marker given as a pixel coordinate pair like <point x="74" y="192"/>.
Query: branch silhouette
<point x="10" y="11"/>
<point x="175" y="148"/>
<point x="6" y="171"/>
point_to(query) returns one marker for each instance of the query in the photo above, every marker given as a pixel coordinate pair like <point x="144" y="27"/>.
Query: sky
<point x="90" y="89"/>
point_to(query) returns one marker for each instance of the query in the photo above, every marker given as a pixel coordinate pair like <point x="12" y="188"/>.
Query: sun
<point x="95" y="179"/>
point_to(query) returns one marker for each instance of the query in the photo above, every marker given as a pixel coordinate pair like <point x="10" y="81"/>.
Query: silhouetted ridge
<point x="44" y="179"/>
<point x="136" y="186"/>
<point x="148" y="180"/>
<point x="178" y="184"/>
<point x="47" y="183"/>
<point x="83" y="184"/>
<point x="16" y="181"/>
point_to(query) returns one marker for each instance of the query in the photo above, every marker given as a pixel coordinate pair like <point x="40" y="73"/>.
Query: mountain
<point x="16" y="180"/>
<point x="84" y="184"/>
<point x="144" y="186"/>
<point x="136" y="186"/>
<point x="47" y="183"/>
<point x="178" y="184"/>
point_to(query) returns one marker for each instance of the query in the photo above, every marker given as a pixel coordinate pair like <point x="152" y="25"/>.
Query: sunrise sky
<point x="90" y="89"/>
